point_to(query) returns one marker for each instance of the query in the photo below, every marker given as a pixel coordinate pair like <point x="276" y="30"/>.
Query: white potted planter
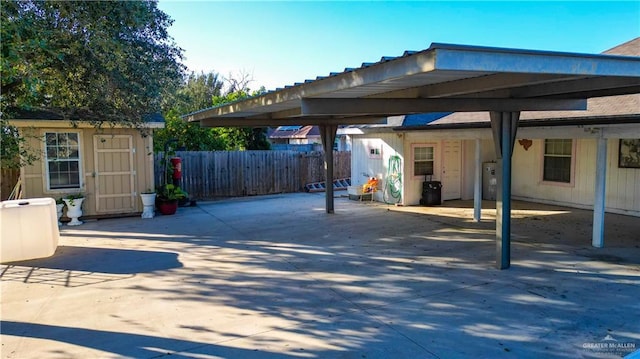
<point x="74" y="209"/>
<point x="148" y="203"/>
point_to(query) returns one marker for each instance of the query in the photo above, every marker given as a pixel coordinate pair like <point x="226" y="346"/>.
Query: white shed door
<point x="451" y="173"/>
<point x="114" y="173"/>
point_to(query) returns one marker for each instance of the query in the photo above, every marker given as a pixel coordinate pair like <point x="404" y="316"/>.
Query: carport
<point x="452" y="78"/>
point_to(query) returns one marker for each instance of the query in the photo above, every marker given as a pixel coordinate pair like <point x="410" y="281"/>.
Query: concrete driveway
<point x="277" y="277"/>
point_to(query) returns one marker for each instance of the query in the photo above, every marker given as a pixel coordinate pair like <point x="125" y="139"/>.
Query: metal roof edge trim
<point x="471" y="59"/>
<point x="447" y="46"/>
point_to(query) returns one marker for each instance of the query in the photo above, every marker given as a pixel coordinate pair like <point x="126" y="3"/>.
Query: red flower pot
<point x="167" y="207"/>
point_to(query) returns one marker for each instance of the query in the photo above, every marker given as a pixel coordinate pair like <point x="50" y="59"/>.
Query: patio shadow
<point x="104" y="260"/>
<point x="130" y="345"/>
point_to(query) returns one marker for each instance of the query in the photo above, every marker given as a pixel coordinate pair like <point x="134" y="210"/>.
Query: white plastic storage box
<point x="28" y="229"/>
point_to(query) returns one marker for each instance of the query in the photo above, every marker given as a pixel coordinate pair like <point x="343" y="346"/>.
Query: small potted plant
<point x="148" y="201"/>
<point x="74" y="208"/>
<point x="167" y="197"/>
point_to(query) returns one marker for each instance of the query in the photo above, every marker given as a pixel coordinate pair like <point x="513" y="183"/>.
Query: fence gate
<point x="114" y="173"/>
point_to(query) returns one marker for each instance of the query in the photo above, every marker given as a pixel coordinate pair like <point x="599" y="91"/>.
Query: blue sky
<point x="280" y="43"/>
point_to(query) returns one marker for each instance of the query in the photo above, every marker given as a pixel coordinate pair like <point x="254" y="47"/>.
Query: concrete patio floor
<point x="277" y="277"/>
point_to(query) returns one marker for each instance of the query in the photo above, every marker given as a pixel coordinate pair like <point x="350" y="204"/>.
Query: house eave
<point x="35" y="123"/>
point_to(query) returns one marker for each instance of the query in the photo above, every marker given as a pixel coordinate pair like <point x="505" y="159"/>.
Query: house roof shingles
<point x="41" y="115"/>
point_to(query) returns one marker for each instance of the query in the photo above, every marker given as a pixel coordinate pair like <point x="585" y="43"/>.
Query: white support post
<point x="597" y="239"/>
<point x="477" y="188"/>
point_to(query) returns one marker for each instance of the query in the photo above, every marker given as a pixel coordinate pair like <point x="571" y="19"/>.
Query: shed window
<point x="62" y="160"/>
<point x="557" y="160"/>
<point x="423" y="161"/>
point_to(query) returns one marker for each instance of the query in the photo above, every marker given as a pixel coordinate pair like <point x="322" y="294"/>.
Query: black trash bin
<point x="431" y="193"/>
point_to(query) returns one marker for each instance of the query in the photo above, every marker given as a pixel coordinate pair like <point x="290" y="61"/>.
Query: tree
<point x="105" y="62"/>
<point x="202" y="91"/>
<point x="196" y="92"/>
<point x="242" y="138"/>
<point x="13" y="149"/>
<point x="187" y="135"/>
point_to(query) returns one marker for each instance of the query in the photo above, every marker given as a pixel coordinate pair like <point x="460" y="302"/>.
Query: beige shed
<point x="109" y="166"/>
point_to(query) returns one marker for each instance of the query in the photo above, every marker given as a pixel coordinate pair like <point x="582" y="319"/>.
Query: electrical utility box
<point x="489" y="181"/>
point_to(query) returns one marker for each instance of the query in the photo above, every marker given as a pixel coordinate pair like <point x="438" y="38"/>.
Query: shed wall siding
<point x="362" y="166"/>
<point x="34" y="175"/>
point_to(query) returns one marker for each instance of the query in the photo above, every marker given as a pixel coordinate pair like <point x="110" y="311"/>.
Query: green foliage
<point x="102" y="61"/>
<point x="14" y="151"/>
<point x="106" y="62"/>
<point x="197" y="92"/>
<point x="170" y="192"/>
<point x="241" y="138"/>
<point x="201" y="91"/>
<point x="72" y="197"/>
<point x="189" y="136"/>
<point x="194" y="94"/>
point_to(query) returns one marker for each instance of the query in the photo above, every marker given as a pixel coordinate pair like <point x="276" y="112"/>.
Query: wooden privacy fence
<point x="207" y="175"/>
<point x="8" y="181"/>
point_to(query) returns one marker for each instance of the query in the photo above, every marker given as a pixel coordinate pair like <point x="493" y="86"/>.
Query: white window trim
<point x="45" y="167"/>
<point x="572" y="181"/>
<point x="435" y="160"/>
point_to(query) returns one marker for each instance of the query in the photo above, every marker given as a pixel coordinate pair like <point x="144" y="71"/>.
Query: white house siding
<point x="622" y="187"/>
<point x="363" y="165"/>
<point x="413" y="185"/>
<point x="488" y="153"/>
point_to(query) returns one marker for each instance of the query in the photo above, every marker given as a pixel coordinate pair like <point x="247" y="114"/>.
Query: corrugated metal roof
<point x="629" y="48"/>
<point x="624" y="106"/>
<point x="383" y="59"/>
<point x="347" y="69"/>
<point x="442" y="71"/>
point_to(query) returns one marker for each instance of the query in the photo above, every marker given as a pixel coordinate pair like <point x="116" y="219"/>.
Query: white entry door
<point x="114" y="173"/>
<point x="451" y="170"/>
